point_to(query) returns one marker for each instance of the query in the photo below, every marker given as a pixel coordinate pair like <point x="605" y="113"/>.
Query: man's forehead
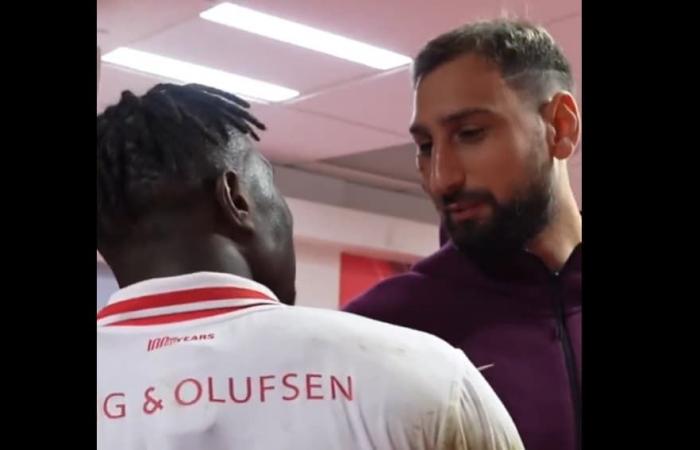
<point x="468" y="77"/>
<point x="457" y="116"/>
<point x="466" y="83"/>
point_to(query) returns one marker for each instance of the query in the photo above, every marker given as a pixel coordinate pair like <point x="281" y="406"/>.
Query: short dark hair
<point x="526" y="54"/>
<point x="155" y="149"/>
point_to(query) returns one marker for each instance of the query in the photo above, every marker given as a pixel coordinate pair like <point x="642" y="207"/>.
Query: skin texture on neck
<point x="190" y="254"/>
<point x="555" y="243"/>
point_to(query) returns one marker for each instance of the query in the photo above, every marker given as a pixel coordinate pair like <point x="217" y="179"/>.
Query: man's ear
<point x="233" y="204"/>
<point x="563" y="126"/>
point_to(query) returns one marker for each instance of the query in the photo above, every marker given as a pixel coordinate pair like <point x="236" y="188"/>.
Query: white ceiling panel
<point x="201" y="42"/>
<point x="387" y="103"/>
<point x="296" y="136"/>
<point x="344" y="108"/>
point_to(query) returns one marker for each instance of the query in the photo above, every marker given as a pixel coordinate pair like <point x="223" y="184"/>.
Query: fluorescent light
<point x="297" y="34"/>
<point x="192" y="73"/>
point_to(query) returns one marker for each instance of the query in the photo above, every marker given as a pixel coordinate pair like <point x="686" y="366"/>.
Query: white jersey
<point x="213" y="361"/>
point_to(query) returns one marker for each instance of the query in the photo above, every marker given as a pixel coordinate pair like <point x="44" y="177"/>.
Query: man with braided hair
<point x="200" y="349"/>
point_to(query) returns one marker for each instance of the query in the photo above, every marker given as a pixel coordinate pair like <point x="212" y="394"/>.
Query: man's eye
<point x="470" y="134"/>
<point x="425" y="149"/>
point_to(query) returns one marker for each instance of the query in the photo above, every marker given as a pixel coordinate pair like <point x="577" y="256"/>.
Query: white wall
<point x="318" y="275"/>
<point x="329" y="190"/>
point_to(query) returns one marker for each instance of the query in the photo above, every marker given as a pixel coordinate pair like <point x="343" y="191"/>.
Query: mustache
<point x="468" y="197"/>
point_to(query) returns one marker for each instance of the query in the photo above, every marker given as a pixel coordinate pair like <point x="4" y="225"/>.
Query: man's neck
<point x="171" y="259"/>
<point x="563" y="234"/>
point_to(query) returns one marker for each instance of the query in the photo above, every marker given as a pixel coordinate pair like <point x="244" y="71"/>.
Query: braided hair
<point x="155" y="150"/>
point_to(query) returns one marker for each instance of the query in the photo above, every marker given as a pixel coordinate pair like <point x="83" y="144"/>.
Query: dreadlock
<point x="154" y="150"/>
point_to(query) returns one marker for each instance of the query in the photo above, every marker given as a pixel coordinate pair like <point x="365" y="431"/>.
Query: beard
<point x="511" y="225"/>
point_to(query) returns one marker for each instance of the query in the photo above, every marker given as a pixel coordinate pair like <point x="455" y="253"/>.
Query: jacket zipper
<point x="565" y="339"/>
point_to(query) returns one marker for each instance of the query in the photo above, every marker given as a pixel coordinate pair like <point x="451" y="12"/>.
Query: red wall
<point x="359" y="273"/>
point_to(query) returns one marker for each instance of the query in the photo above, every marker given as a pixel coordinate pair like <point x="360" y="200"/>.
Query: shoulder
<point x="411" y="378"/>
<point x="391" y="293"/>
<point x="411" y="292"/>
<point x="369" y="339"/>
<point x="340" y="325"/>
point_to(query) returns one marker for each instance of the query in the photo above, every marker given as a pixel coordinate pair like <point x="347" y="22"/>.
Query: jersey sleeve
<point x="476" y="418"/>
